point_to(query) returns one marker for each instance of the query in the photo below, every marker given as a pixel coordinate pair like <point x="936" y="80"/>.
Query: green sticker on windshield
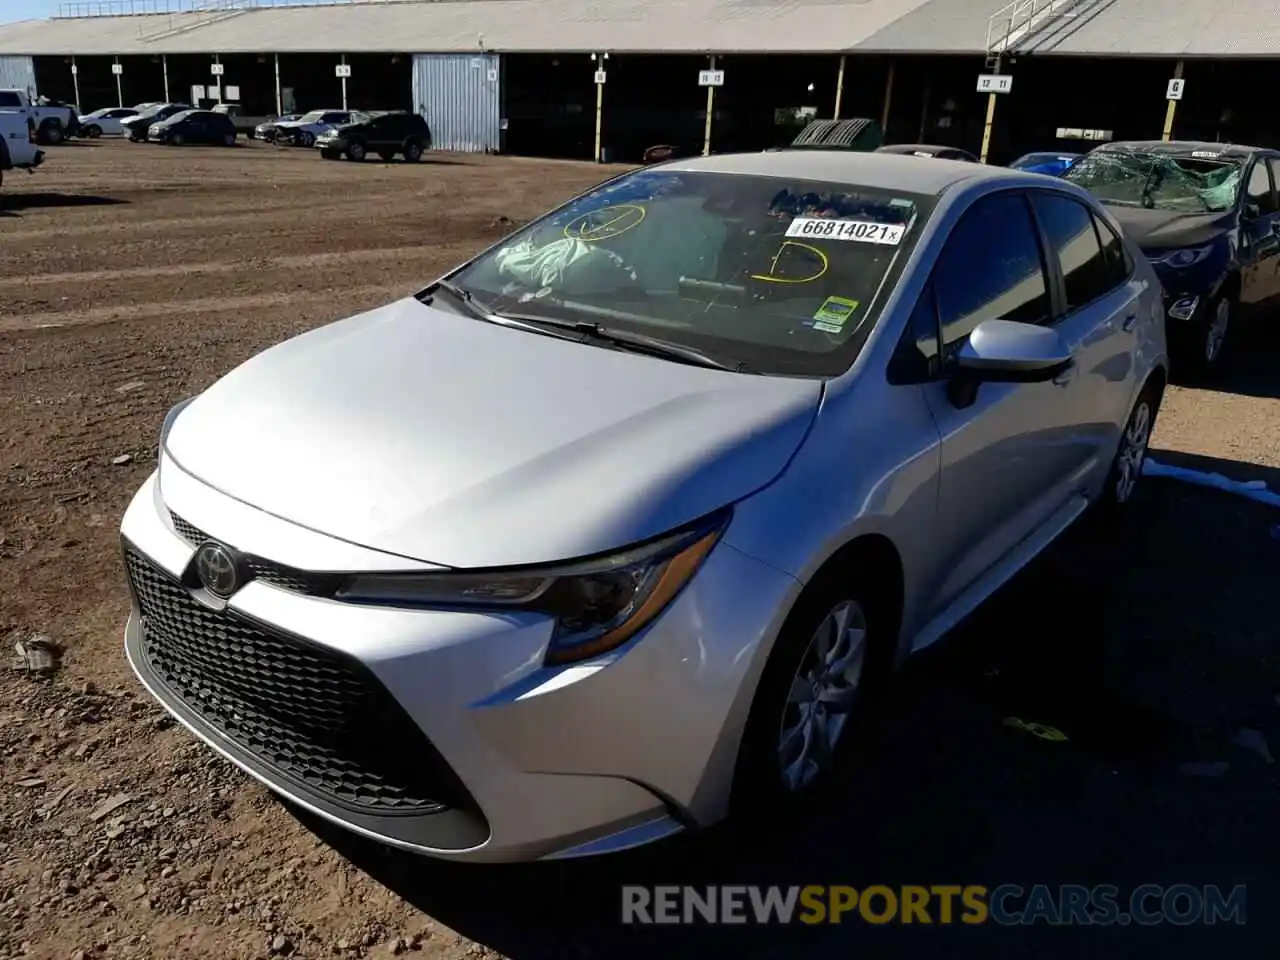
<point x="834" y="314"/>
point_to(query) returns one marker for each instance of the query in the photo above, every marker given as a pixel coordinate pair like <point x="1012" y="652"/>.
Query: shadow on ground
<point x="1148" y="647"/>
<point x="13" y="202"/>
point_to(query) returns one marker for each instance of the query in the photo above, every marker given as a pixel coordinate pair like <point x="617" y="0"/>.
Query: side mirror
<point x="1252" y="211"/>
<point x="1002" y="351"/>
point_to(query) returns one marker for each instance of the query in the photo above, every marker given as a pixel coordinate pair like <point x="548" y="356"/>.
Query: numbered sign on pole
<point x="342" y="71"/>
<point x="1174" y="90"/>
<point x="601" y="76"/>
<point x="215" y="69"/>
<point x="711" y="78"/>
<point x="994" y="83"/>
<point x="116" y="68"/>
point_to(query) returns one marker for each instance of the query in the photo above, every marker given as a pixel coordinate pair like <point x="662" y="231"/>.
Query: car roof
<point x="887" y="171"/>
<point x="1184" y="148"/>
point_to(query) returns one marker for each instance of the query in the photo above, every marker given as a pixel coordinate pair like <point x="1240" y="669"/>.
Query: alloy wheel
<point x="1216" y="335"/>
<point x="823" y="692"/>
<point x="1133" y="451"/>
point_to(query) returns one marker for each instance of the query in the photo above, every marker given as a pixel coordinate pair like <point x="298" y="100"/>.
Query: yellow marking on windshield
<point x="771" y="276"/>
<point x="628" y="217"/>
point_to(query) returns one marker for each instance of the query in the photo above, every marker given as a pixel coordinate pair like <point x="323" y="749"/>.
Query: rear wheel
<point x="1131" y="455"/>
<point x="413" y="151"/>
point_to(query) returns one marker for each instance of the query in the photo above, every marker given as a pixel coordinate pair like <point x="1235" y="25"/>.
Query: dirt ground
<point x="132" y="276"/>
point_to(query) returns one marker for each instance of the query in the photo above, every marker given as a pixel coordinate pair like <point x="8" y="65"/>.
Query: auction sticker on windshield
<point x="860" y="231"/>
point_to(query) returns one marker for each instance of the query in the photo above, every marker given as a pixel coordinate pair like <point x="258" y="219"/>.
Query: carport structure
<point x="578" y="79"/>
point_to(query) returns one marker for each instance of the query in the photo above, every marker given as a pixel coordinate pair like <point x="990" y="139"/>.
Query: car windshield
<point x="774" y="275"/>
<point x="1160" y="181"/>
<point x="183" y="115"/>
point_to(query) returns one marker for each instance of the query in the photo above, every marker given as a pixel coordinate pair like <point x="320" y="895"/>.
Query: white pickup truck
<point x="18" y="150"/>
<point x="53" y="122"/>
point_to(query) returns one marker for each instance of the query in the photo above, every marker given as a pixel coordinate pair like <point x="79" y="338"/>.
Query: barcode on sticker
<point x="860" y="231"/>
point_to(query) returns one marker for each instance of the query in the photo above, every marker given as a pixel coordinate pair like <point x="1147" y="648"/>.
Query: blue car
<point x="1050" y="164"/>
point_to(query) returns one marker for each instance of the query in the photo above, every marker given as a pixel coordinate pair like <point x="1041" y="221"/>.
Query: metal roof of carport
<point x="1110" y="28"/>
<point x="534" y="26"/>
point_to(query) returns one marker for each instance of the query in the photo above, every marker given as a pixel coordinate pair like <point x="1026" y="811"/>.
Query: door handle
<point x="1130" y="321"/>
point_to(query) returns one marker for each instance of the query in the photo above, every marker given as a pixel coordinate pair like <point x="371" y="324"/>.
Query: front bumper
<point x="331" y="143"/>
<point x="529" y="762"/>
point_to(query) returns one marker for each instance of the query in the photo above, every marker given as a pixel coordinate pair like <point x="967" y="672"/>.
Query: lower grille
<point x="316" y="717"/>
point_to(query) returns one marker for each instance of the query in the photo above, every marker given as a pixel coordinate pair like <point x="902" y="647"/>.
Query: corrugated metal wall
<point x="19" y="72"/>
<point x="460" y="95"/>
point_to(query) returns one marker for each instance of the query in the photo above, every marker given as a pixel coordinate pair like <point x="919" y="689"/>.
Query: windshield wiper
<point x="463" y="296"/>
<point x="628" y="340"/>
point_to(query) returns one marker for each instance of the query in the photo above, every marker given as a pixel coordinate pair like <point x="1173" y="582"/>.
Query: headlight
<point x="170" y="417"/>
<point x="598" y="604"/>
<point x="1184" y="258"/>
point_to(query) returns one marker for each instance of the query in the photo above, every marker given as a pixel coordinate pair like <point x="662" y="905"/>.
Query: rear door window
<point x="1073" y="240"/>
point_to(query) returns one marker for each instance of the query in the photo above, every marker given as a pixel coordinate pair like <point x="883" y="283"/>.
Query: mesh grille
<point x="313" y="715"/>
<point x="831" y="133"/>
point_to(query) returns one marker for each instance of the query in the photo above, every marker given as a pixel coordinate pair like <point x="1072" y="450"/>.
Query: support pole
<point x="164" y="67"/>
<point x="75" y="82"/>
<point x="711" y="105"/>
<point x="279" y="97"/>
<point x="1171" y="109"/>
<point x="219" y="78"/>
<point x="599" y="107"/>
<point x="119" y="88"/>
<point x="991" y="119"/>
<point x="344" y="84"/>
<point x="888" y="99"/>
<point x="835" y="114"/>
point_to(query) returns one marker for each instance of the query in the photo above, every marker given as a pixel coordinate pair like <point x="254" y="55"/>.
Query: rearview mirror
<point x="1002" y="351"/>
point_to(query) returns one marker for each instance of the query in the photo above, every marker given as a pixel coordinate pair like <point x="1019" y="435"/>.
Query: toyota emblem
<point x="217" y="569"/>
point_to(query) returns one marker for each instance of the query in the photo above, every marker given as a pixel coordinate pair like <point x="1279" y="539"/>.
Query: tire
<point x="413" y="151"/>
<point x="306" y="139"/>
<point x="1125" y="477"/>
<point x="93" y="131"/>
<point x="1201" y="349"/>
<point x="229" y="140"/>
<point x="177" y="140"/>
<point x="51" y="132"/>
<point x="356" y="151"/>
<point x="770" y="772"/>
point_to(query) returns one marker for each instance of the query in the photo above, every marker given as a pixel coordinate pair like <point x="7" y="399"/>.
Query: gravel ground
<point x="132" y="276"/>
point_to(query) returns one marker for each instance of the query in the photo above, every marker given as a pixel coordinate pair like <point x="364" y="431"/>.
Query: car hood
<point x="463" y="443"/>
<point x="1166" y="230"/>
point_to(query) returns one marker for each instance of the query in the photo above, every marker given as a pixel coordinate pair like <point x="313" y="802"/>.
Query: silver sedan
<point x="614" y="526"/>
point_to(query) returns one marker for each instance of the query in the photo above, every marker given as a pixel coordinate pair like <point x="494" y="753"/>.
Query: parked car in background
<point x="53" y="121"/>
<point x="266" y="131"/>
<point x="1050" y="164"/>
<point x="194" y="127"/>
<point x="390" y="134"/>
<point x="137" y="127"/>
<point x="106" y="120"/>
<point x="1206" y="216"/>
<point x="399" y="572"/>
<point x="304" y="131"/>
<point x="929" y="151"/>
<point x="245" y="123"/>
<point x="18" y="149"/>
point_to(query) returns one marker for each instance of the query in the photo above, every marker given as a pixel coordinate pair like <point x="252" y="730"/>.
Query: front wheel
<point x="229" y="140"/>
<point x="306" y="139"/>
<point x="1199" y="350"/>
<point x="53" y="133"/>
<point x="93" y="132"/>
<point x="177" y="140"/>
<point x="355" y="151"/>
<point x="829" y="657"/>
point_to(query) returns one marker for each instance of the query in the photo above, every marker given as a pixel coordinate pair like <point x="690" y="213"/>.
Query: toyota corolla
<point x="615" y="526"/>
